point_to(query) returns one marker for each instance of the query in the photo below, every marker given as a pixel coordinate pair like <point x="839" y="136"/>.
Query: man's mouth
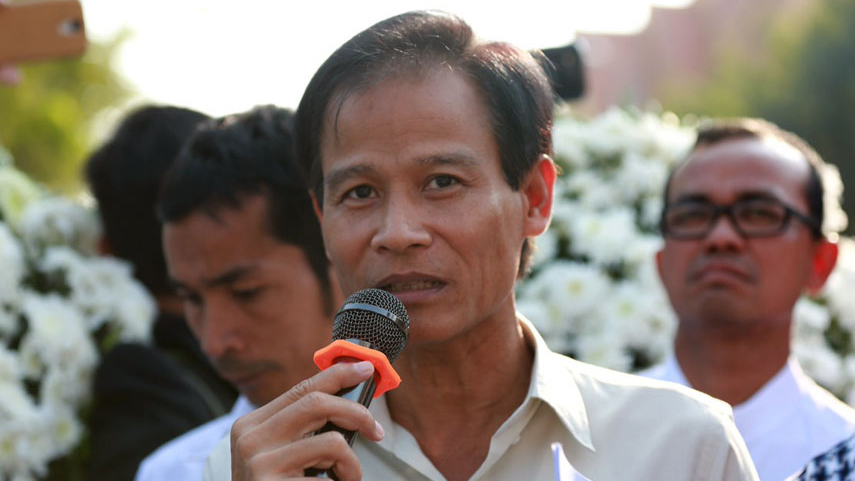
<point x="397" y="287"/>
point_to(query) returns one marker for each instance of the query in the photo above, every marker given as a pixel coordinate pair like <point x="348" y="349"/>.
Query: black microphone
<point x="372" y="325"/>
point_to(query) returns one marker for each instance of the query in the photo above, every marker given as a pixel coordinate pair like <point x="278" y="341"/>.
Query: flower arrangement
<point x="61" y="307"/>
<point x="594" y="292"/>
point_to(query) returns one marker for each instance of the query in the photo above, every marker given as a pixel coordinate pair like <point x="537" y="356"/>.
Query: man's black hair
<point x="511" y="81"/>
<point x="252" y="153"/>
<point x="125" y="174"/>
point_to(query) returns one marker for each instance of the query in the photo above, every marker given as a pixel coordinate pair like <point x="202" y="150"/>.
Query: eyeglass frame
<point x="727" y="210"/>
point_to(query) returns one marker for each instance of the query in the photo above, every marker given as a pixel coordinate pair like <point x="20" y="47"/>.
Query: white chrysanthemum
<point x="545" y="248"/>
<point x="651" y="211"/>
<point x="642" y="251"/>
<point x="639" y="177"/>
<point x="810" y="316"/>
<point x="834" y="217"/>
<point x="604" y="236"/>
<point x="10" y="366"/>
<point x="839" y="288"/>
<point x="569" y="290"/>
<point x="670" y="141"/>
<point x="554" y="333"/>
<point x="57" y="332"/>
<point x="66" y="387"/>
<point x="12" y="262"/>
<point x="603" y="348"/>
<point x="592" y="191"/>
<point x="643" y="319"/>
<point x="569" y="137"/>
<point x="105" y="291"/>
<point x="17" y="406"/>
<point x="821" y="363"/>
<point x="63" y="430"/>
<point x="135" y="311"/>
<point x="16" y="193"/>
<point x="57" y="221"/>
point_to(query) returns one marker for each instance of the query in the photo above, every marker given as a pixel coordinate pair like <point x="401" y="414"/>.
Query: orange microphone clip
<point x="385" y="376"/>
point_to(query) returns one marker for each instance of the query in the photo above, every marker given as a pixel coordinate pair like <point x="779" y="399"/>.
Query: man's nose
<point x="220" y="333"/>
<point x="401" y="226"/>
<point x="724" y="235"/>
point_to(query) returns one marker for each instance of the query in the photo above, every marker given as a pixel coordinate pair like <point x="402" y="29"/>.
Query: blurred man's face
<point x="726" y="278"/>
<point x="254" y="303"/>
<point x="416" y="203"/>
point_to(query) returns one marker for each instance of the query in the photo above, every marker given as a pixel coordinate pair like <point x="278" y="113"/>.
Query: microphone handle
<point x="361" y="393"/>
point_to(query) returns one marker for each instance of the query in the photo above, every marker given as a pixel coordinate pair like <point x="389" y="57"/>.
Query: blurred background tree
<point x="804" y="81"/>
<point x="49" y="121"/>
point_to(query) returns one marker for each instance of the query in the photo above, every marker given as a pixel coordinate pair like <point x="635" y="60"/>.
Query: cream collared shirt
<point x="613" y="426"/>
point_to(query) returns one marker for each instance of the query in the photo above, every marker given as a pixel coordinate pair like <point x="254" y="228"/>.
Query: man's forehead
<point x="738" y="165"/>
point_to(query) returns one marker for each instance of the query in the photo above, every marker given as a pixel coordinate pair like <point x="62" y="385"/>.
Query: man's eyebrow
<point x="449" y="159"/>
<point x="230" y="275"/>
<point x="339" y="176"/>
<point x="227" y="277"/>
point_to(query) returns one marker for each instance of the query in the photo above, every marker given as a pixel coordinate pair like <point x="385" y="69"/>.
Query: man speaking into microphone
<point x="428" y="155"/>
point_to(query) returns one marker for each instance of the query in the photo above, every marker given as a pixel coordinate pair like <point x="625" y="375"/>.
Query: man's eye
<point x="190" y="298"/>
<point x="689" y="216"/>
<point x="360" y="192"/>
<point x="246" y="294"/>
<point x="442" y="181"/>
<point x="761" y="213"/>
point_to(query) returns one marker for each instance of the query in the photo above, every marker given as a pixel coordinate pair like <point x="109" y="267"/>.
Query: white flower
<point x="839" y="288"/>
<point x="569" y="290"/>
<point x="639" y="177"/>
<point x="834" y="217"/>
<point x="56" y="221"/>
<point x="821" y="364"/>
<point x="104" y="290"/>
<point x="57" y="334"/>
<point x="10" y="366"/>
<point x="604" y="235"/>
<point x="545" y="248"/>
<point x="16" y="193"/>
<point x="12" y="271"/>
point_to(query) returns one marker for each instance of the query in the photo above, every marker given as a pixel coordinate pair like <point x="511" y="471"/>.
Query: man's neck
<point x="465" y="391"/>
<point x="731" y="367"/>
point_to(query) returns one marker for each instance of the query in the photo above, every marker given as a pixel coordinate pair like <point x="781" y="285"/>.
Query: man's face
<point x="253" y="302"/>
<point x="725" y="279"/>
<point x="416" y="203"/>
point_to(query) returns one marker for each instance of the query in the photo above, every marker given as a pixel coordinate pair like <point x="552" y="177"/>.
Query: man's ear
<point x="659" y="264"/>
<point x="316" y="206"/>
<point x="823" y="262"/>
<point x="537" y="190"/>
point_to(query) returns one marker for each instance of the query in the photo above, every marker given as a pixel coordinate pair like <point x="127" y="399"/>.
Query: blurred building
<point x="678" y="47"/>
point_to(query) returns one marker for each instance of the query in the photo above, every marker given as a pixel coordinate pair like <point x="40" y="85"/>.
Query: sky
<point x="222" y="57"/>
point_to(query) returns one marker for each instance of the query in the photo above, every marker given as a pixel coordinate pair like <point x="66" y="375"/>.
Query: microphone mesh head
<point x="385" y="333"/>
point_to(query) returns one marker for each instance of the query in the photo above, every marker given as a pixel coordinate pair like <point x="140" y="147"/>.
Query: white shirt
<point x="613" y="426"/>
<point x="183" y="458"/>
<point x="787" y="422"/>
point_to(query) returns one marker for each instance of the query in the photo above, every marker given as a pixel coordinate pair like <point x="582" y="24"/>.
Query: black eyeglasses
<point x="750" y="218"/>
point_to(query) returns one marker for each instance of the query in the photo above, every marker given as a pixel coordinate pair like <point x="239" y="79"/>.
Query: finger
<point x="315" y="410"/>
<point x="303" y="418"/>
<point x="330" y="381"/>
<point x="325" y="451"/>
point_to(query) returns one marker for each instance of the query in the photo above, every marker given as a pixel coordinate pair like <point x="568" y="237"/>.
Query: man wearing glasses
<point x="742" y="224"/>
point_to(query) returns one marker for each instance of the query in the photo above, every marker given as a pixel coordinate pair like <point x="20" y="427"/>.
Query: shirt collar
<point x="553" y="382"/>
